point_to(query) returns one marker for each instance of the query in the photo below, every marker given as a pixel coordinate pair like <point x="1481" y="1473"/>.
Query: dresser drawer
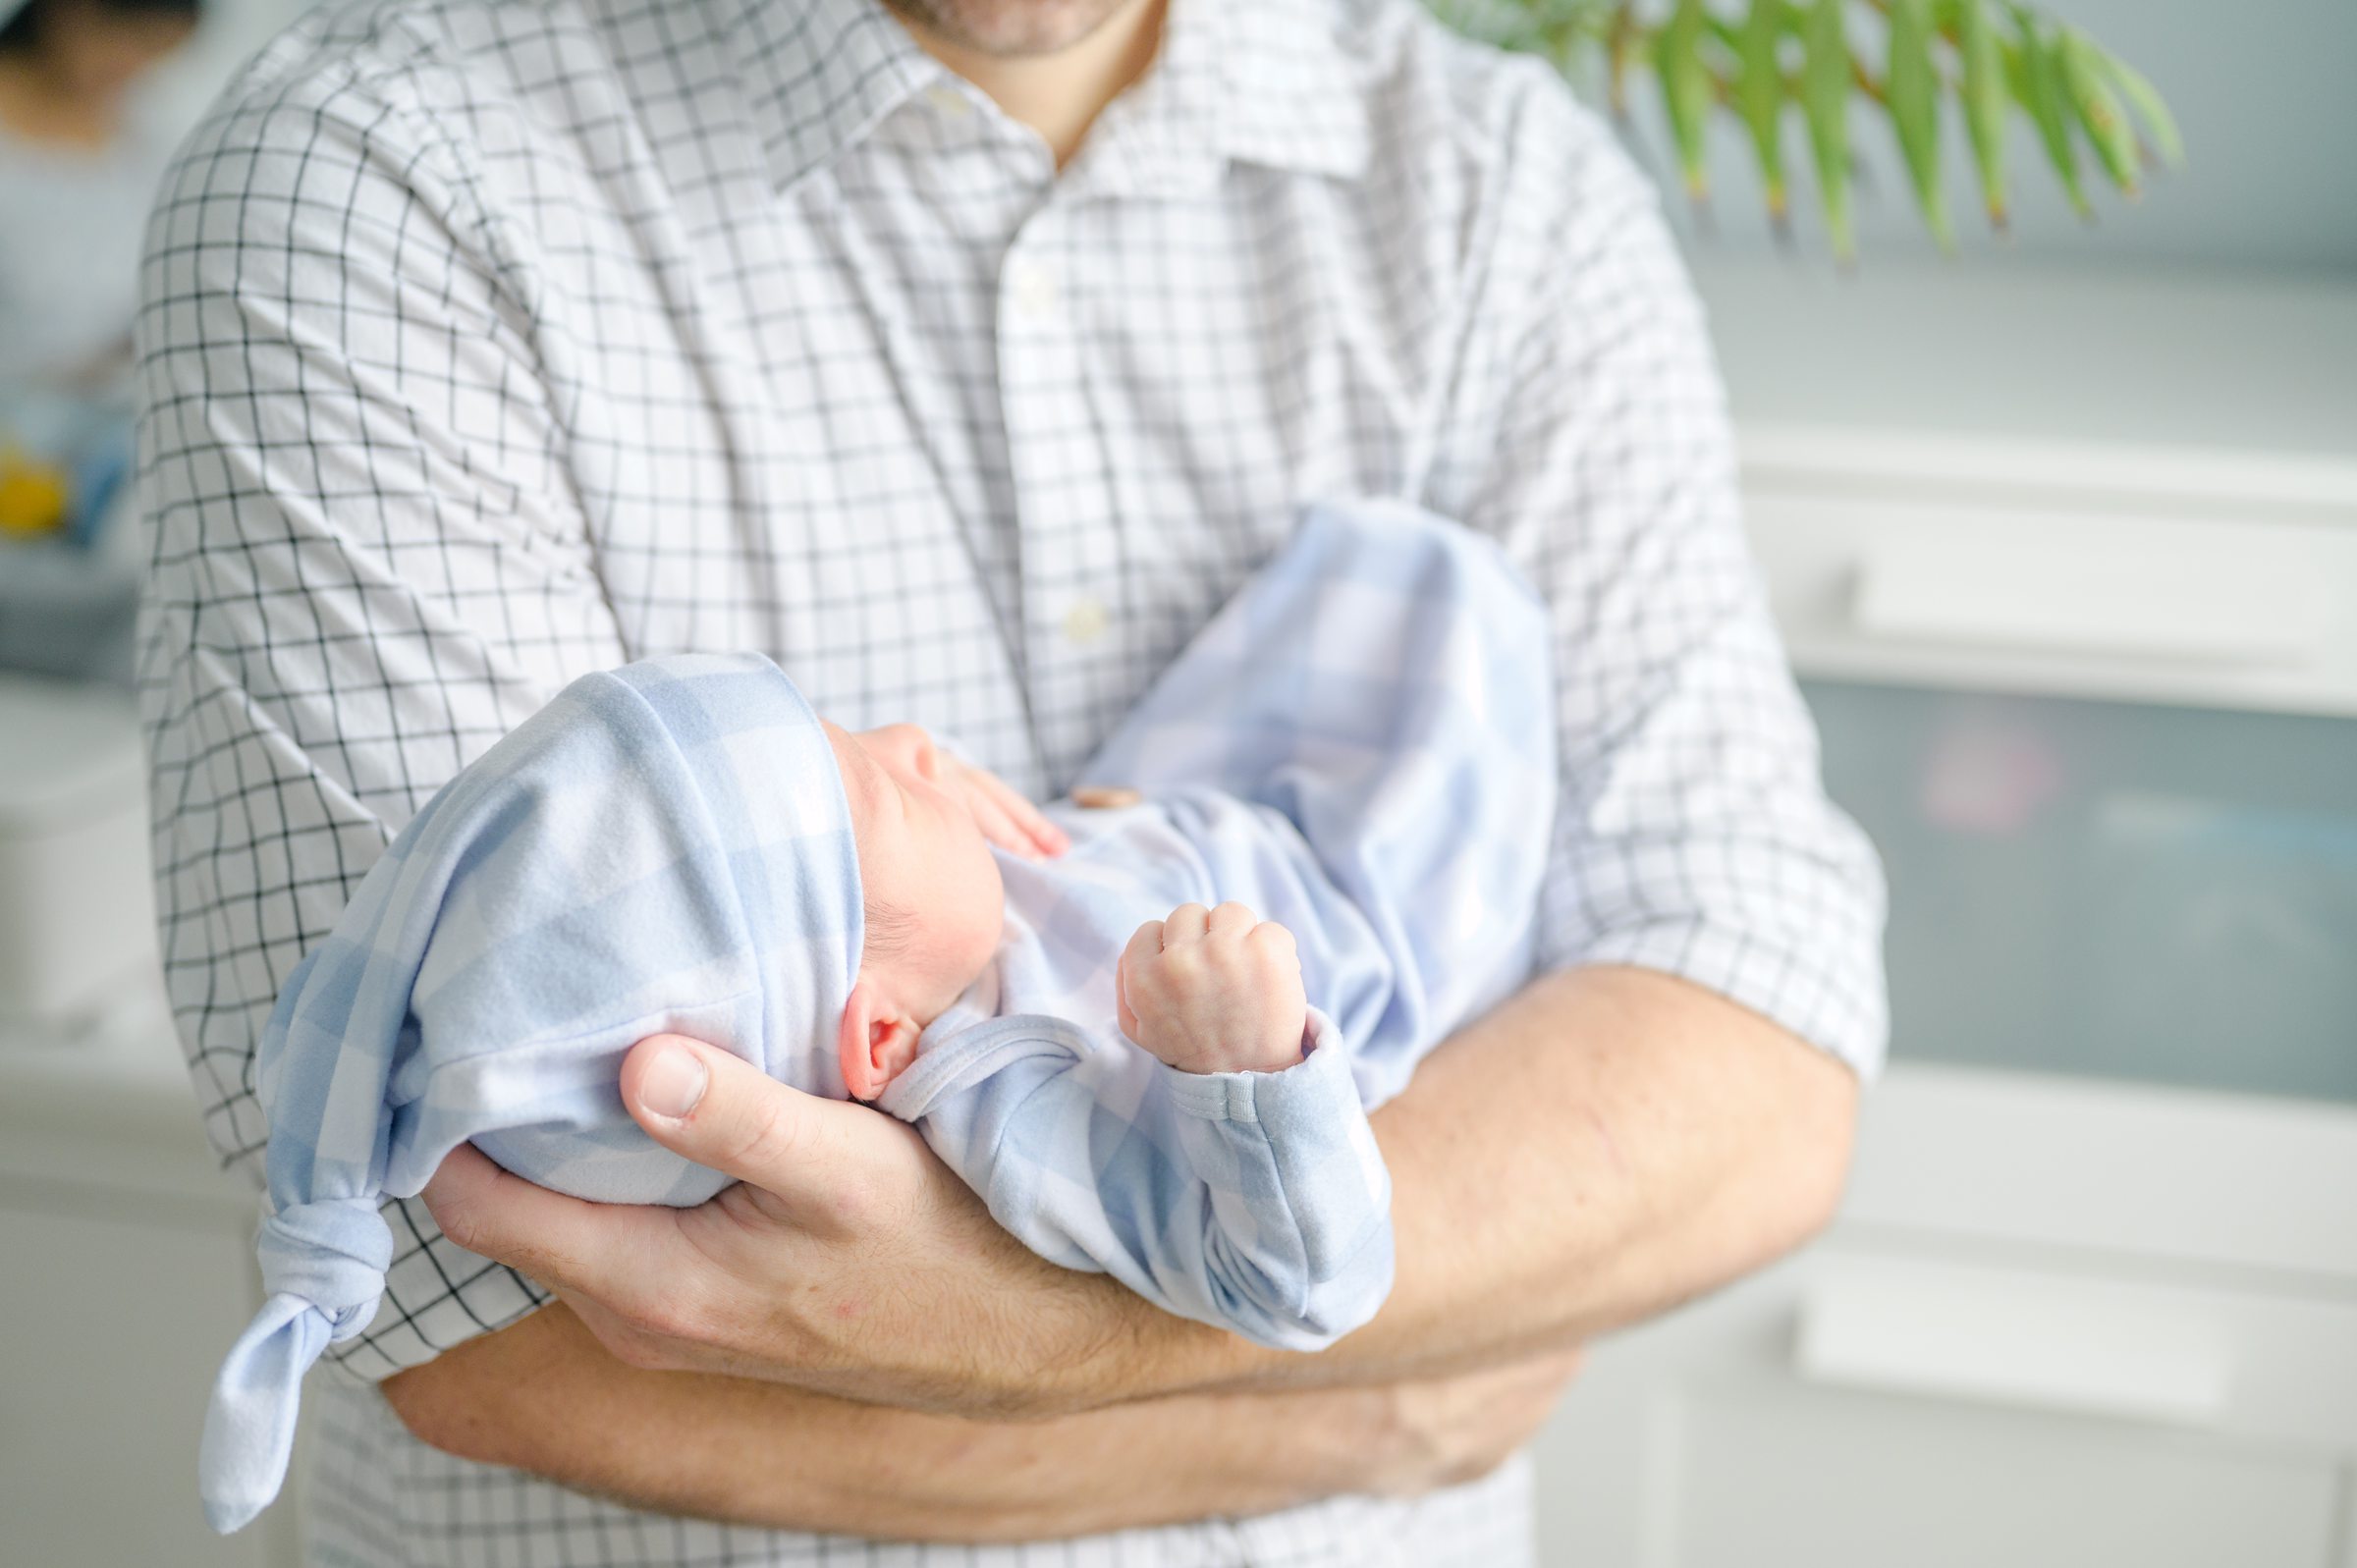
<point x="1820" y="1481"/>
<point x="2262" y="1368"/>
<point x="2061" y="1323"/>
<point x="2233" y="607"/>
<point x="1878" y="1402"/>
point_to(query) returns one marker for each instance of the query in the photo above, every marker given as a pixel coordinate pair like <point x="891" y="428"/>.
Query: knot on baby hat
<point x="662" y="848"/>
<point x="331" y="1254"/>
<point x="323" y="1265"/>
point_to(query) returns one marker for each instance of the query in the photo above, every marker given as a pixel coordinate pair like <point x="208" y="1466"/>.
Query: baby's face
<point x="924" y="863"/>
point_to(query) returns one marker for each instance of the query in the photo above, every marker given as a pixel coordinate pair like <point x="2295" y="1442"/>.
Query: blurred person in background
<point x="81" y="151"/>
<point x="83" y="139"/>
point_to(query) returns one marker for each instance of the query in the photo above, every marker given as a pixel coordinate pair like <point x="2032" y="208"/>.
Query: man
<point x="964" y="357"/>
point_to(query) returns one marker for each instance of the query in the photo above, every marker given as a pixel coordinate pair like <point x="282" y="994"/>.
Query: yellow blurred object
<point x="34" y="496"/>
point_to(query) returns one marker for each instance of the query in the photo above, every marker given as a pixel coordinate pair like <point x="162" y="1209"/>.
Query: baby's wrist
<point x="1271" y="1053"/>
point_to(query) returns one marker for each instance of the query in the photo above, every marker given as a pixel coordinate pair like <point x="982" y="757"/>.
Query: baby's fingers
<point x="1231" y="919"/>
<point x="1143" y="945"/>
<point x="1185" y="924"/>
<point x="1000" y="828"/>
<point x="1039" y="835"/>
<point x="1272" y="940"/>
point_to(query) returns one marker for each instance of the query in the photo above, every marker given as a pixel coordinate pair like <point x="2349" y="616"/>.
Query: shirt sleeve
<point x="366" y="567"/>
<point x="1693" y="835"/>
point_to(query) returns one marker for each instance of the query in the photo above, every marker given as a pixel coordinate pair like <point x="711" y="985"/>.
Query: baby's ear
<point x="876" y="1044"/>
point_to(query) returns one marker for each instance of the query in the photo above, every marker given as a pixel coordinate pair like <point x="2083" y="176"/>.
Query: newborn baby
<point x="1137" y="1074"/>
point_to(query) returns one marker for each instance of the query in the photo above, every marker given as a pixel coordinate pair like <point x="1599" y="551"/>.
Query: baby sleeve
<point x="1257" y="1201"/>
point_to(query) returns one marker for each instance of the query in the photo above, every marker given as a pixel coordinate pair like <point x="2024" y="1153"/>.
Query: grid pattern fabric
<point x="485" y="344"/>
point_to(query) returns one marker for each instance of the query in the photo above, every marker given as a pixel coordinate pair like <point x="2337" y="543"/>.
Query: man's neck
<point x="1059" y="96"/>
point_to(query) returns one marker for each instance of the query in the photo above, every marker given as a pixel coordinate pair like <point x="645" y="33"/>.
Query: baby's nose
<point x="907" y="746"/>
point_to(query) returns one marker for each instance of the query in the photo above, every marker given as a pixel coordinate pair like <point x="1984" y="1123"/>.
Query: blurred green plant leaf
<point x="1911" y="92"/>
<point x="1994" y="57"/>
<point x="2048" y="100"/>
<point x="1686" y="90"/>
<point x="2146" y="99"/>
<point x="1825" y="85"/>
<point x="2101" y="114"/>
<point x="1986" y="100"/>
<point x="1760" y="95"/>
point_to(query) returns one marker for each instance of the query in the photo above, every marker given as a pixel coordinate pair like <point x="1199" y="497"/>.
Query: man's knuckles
<point x="749" y="1137"/>
<point x="646" y="1320"/>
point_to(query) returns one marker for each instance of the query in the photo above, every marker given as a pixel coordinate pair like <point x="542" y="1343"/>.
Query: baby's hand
<point x="1214" y="992"/>
<point x="1000" y="810"/>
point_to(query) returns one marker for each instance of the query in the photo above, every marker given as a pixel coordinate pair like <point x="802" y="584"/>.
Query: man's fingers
<point x="724" y="1113"/>
<point x="563" y="1242"/>
<point x="1185" y="924"/>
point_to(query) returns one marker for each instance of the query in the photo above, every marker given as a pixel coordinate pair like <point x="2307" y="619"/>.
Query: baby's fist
<point x="1214" y="990"/>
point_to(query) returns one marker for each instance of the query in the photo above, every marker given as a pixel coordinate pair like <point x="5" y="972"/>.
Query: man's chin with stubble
<point x="1011" y="27"/>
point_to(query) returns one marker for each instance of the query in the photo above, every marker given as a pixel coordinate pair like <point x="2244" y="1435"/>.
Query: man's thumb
<point x="722" y="1111"/>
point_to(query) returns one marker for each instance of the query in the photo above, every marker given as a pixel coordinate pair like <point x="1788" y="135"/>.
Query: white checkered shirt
<point x="486" y="343"/>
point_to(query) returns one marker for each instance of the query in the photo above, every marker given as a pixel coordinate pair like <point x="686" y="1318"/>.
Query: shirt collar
<point x="1270" y="82"/>
<point x="1263" y="81"/>
<point x="1294" y="96"/>
<point x="819" y="74"/>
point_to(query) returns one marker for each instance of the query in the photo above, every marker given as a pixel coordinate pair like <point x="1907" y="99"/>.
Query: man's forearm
<point x="545" y="1396"/>
<point x="1607" y="1143"/>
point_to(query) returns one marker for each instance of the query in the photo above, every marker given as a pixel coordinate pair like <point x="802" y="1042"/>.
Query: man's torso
<point x="827" y="360"/>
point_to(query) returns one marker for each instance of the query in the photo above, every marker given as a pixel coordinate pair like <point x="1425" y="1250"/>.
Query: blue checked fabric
<point x="1360" y="746"/>
<point x="663" y="848"/>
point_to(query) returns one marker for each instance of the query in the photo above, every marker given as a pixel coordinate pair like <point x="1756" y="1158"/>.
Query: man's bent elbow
<point x="465" y="1410"/>
<point x="1812" y="1155"/>
<point x="476" y="1401"/>
<point x="424" y="1405"/>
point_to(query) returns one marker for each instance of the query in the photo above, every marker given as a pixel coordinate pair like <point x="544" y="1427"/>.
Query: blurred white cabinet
<point x="1977" y="1367"/>
<point x="2063" y="1322"/>
<point x="126" y="1270"/>
<point x="110" y="1322"/>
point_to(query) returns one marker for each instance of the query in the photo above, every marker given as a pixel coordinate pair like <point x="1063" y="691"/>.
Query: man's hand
<point x="1214" y="990"/>
<point x="848" y="1261"/>
<point x="1444" y="1432"/>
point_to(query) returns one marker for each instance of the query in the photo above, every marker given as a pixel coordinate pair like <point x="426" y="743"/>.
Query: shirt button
<point x="950" y="101"/>
<point x="1085" y="622"/>
<point x="1032" y="288"/>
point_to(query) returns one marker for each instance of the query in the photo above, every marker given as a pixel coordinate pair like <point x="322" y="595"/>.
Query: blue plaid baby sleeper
<point x="1359" y="745"/>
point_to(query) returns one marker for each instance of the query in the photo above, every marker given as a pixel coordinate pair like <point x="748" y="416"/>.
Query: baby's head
<point x="934" y="905"/>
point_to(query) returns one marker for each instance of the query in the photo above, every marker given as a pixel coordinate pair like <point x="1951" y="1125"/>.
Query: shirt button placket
<point x="1065" y="519"/>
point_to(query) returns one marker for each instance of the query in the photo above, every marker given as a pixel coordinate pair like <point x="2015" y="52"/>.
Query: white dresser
<point x="129" y="1271"/>
<point x="2070" y="565"/>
